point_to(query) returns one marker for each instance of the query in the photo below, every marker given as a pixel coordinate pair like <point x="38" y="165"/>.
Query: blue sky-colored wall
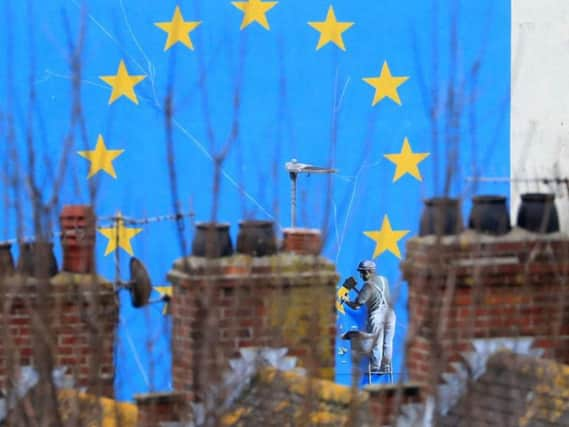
<point x="295" y="102"/>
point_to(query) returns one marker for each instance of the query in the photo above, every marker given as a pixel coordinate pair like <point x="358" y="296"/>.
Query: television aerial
<point x="294" y="168"/>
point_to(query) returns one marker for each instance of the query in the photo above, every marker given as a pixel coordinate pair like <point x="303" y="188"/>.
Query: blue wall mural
<point x="406" y="98"/>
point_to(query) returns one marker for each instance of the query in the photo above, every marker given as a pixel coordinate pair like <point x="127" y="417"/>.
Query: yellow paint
<point x="97" y="412"/>
<point x="101" y="158"/>
<point x="303" y="315"/>
<point x="407" y="161"/>
<point x="331" y="30"/>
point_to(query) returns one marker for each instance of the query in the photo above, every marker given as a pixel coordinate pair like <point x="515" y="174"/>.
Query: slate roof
<point x="515" y="390"/>
<point x="474" y="392"/>
<point x="296" y="400"/>
<point x="264" y="387"/>
<point x="76" y="407"/>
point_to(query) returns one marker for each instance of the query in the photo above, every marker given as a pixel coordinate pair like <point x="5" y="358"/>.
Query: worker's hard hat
<point x="366" y="265"/>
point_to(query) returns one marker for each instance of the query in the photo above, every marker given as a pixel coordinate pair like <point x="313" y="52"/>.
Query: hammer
<point x="350" y="284"/>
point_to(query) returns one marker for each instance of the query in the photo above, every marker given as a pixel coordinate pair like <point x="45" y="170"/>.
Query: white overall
<point x="381" y="323"/>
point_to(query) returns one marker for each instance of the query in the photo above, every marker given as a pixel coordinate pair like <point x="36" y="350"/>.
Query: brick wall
<point x="220" y="305"/>
<point x="473" y="286"/>
<point x="69" y="321"/>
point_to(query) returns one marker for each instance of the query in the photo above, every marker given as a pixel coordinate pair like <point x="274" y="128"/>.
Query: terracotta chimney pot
<point x="78" y="238"/>
<point x="302" y="241"/>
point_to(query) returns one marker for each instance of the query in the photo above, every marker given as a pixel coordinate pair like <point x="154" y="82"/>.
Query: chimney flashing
<point x="17" y="284"/>
<point x="240" y="265"/>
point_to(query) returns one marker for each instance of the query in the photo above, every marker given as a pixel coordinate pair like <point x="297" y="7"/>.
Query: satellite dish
<point x="139" y="285"/>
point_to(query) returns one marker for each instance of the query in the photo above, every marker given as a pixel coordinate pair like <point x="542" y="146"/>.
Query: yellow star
<point x="178" y="30"/>
<point x="254" y="10"/>
<point x="122" y="84"/>
<point x="386" y="239"/>
<point x="407" y="161"/>
<point x="385" y="85"/>
<point x="119" y="235"/>
<point x="165" y="291"/>
<point x="101" y="159"/>
<point x="331" y="30"/>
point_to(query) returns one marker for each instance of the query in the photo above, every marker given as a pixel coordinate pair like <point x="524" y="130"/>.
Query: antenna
<point x="294" y="168"/>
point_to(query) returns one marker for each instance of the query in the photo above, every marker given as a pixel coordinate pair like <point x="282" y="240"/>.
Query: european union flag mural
<point x="167" y="113"/>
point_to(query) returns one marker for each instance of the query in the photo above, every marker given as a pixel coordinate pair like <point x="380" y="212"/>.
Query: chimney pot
<point x="6" y="260"/>
<point x="490" y="215"/>
<point x="78" y="238"/>
<point x="302" y="241"/>
<point x="537" y="213"/>
<point x="441" y="216"/>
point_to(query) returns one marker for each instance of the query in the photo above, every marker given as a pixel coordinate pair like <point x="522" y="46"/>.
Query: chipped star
<point x="341" y="295"/>
<point x="178" y="30"/>
<point x="386" y="238"/>
<point x="119" y="236"/>
<point x="386" y="85"/>
<point x="331" y="30"/>
<point x="123" y="84"/>
<point x="101" y="158"/>
<point x="407" y="161"/>
<point x="254" y="11"/>
<point x="165" y="291"/>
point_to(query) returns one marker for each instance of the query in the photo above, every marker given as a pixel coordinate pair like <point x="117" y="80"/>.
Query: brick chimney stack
<point x="71" y="316"/>
<point x="220" y="305"/>
<point x="472" y="286"/>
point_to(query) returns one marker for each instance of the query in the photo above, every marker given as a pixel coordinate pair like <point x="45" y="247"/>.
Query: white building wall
<point x="540" y="99"/>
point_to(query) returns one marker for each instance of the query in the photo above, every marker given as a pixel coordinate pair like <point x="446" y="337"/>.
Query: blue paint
<point x="413" y="36"/>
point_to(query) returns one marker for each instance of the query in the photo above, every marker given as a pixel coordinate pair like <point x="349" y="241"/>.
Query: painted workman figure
<point x="380" y="315"/>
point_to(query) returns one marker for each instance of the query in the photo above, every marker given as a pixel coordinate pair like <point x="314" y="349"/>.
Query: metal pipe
<point x="293" y="176"/>
<point x="294" y="168"/>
